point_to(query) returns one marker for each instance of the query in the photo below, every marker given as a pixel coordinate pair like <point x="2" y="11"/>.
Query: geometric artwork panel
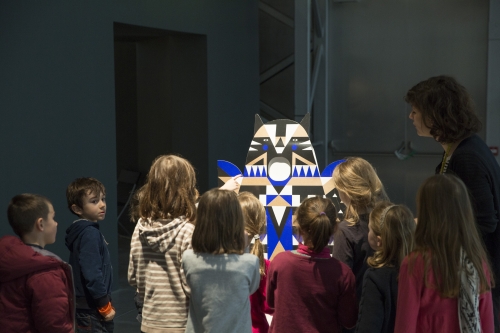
<point x="281" y="170"/>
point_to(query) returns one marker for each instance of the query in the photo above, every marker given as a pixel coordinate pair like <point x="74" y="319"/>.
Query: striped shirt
<point x="155" y="270"/>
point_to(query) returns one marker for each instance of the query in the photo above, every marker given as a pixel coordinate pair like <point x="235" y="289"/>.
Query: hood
<point x="160" y="235"/>
<point x="76" y="229"/>
<point x="19" y="259"/>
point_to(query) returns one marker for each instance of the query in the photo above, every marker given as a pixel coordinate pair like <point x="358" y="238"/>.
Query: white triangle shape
<point x="249" y="167"/>
<point x="252" y="149"/>
<point x="294" y="241"/>
<point x="340" y="212"/>
<point x="334" y="195"/>
<point x="270" y="190"/>
<point x="271" y="130"/>
<point x="255" y="143"/>
<point x="264" y="241"/>
<point x="290" y="130"/>
<point x="279" y="211"/>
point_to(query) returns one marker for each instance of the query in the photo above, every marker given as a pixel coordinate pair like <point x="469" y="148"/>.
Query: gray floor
<point x="123" y="297"/>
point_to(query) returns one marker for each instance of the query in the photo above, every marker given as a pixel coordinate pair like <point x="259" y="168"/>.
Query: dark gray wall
<point x="57" y="98"/>
<point x="379" y="50"/>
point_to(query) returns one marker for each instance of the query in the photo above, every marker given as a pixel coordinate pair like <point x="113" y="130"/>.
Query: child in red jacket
<point x="36" y="286"/>
<point x="445" y="283"/>
<point x="254" y="215"/>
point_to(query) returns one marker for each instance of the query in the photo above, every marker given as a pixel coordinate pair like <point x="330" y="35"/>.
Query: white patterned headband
<point x="384" y="213"/>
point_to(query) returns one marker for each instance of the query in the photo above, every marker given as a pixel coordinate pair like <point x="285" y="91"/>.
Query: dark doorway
<point x="161" y="102"/>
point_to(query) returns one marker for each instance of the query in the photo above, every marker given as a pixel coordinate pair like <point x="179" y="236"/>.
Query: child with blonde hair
<point x="359" y="189"/>
<point x="165" y="210"/>
<point x="309" y="290"/>
<point x="221" y="277"/>
<point x="445" y="283"/>
<point x="390" y="235"/>
<point x="254" y="215"/>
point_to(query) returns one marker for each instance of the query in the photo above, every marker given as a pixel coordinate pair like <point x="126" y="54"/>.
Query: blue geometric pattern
<point x="282" y="149"/>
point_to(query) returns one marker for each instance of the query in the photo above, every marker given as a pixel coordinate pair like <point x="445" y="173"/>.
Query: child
<point x="391" y="236"/>
<point x="164" y="211"/>
<point x="36" y="286"/>
<point x="309" y="290"/>
<point x="360" y="189"/>
<point x="220" y="275"/>
<point x="89" y="256"/>
<point x="445" y="283"/>
<point x="254" y="215"/>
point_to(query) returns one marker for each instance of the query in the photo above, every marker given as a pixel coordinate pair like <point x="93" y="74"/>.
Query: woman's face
<point x="373" y="239"/>
<point x="418" y="122"/>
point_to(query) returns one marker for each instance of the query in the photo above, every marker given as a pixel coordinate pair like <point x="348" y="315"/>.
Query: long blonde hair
<point x="359" y="181"/>
<point x="254" y="215"/>
<point x="169" y="192"/>
<point x="446" y="225"/>
<point x="395" y="229"/>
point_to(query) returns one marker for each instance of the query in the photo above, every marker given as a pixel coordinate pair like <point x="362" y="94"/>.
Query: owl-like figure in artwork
<point x="281" y="170"/>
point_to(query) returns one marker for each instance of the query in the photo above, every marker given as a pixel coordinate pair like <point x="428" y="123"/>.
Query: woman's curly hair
<point x="446" y="107"/>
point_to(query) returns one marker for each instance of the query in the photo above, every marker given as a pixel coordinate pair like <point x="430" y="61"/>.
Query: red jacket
<point x="313" y="295"/>
<point x="36" y="290"/>
<point x="422" y="310"/>
<point x="259" y="306"/>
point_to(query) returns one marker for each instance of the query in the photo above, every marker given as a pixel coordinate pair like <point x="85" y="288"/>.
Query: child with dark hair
<point x="89" y="256"/>
<point x="36" y="286"/>
<point x="309" y="290"/>
<point x="220" y="275"/>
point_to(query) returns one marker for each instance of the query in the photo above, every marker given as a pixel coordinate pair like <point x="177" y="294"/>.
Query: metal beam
<point x="288" y="61"/>
<point x="276" y="14"/>
<point x="302" y="56"/>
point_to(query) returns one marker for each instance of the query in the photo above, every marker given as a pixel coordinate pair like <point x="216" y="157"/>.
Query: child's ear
<point x="39" y="224"/>
<point x="379" y="241"/>
<point x="77" y="210"/>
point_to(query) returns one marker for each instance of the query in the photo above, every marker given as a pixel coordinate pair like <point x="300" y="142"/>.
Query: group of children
<point x="198" y="263"/>
<point x="38" y="291"/>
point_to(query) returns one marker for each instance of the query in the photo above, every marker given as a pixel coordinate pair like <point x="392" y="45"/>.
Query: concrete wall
<point x="57" y="98"/>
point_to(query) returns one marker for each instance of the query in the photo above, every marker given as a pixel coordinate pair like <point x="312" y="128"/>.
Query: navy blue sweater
<point x="473" y="162"/>
<point x="92" y="271"/>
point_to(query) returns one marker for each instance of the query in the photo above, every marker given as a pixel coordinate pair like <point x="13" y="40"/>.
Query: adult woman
<point x="443" y="109"/>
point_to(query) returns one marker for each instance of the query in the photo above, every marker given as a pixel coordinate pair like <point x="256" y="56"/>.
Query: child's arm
<point x="254" y="285"/>
<point x="342" y="248"/>
<point x="50" y="302"/>
<point x="486" y="307"/>
<point x="371" y="308"/>
<point x="90" y="264"/>
<point x="186" y="245"/>
<point x="486" y="312"/>
<point x="409" y="291"/>
<point x="271" y="286"/>
<point x="266" y="307"/>
<point x="348" y="303"/>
